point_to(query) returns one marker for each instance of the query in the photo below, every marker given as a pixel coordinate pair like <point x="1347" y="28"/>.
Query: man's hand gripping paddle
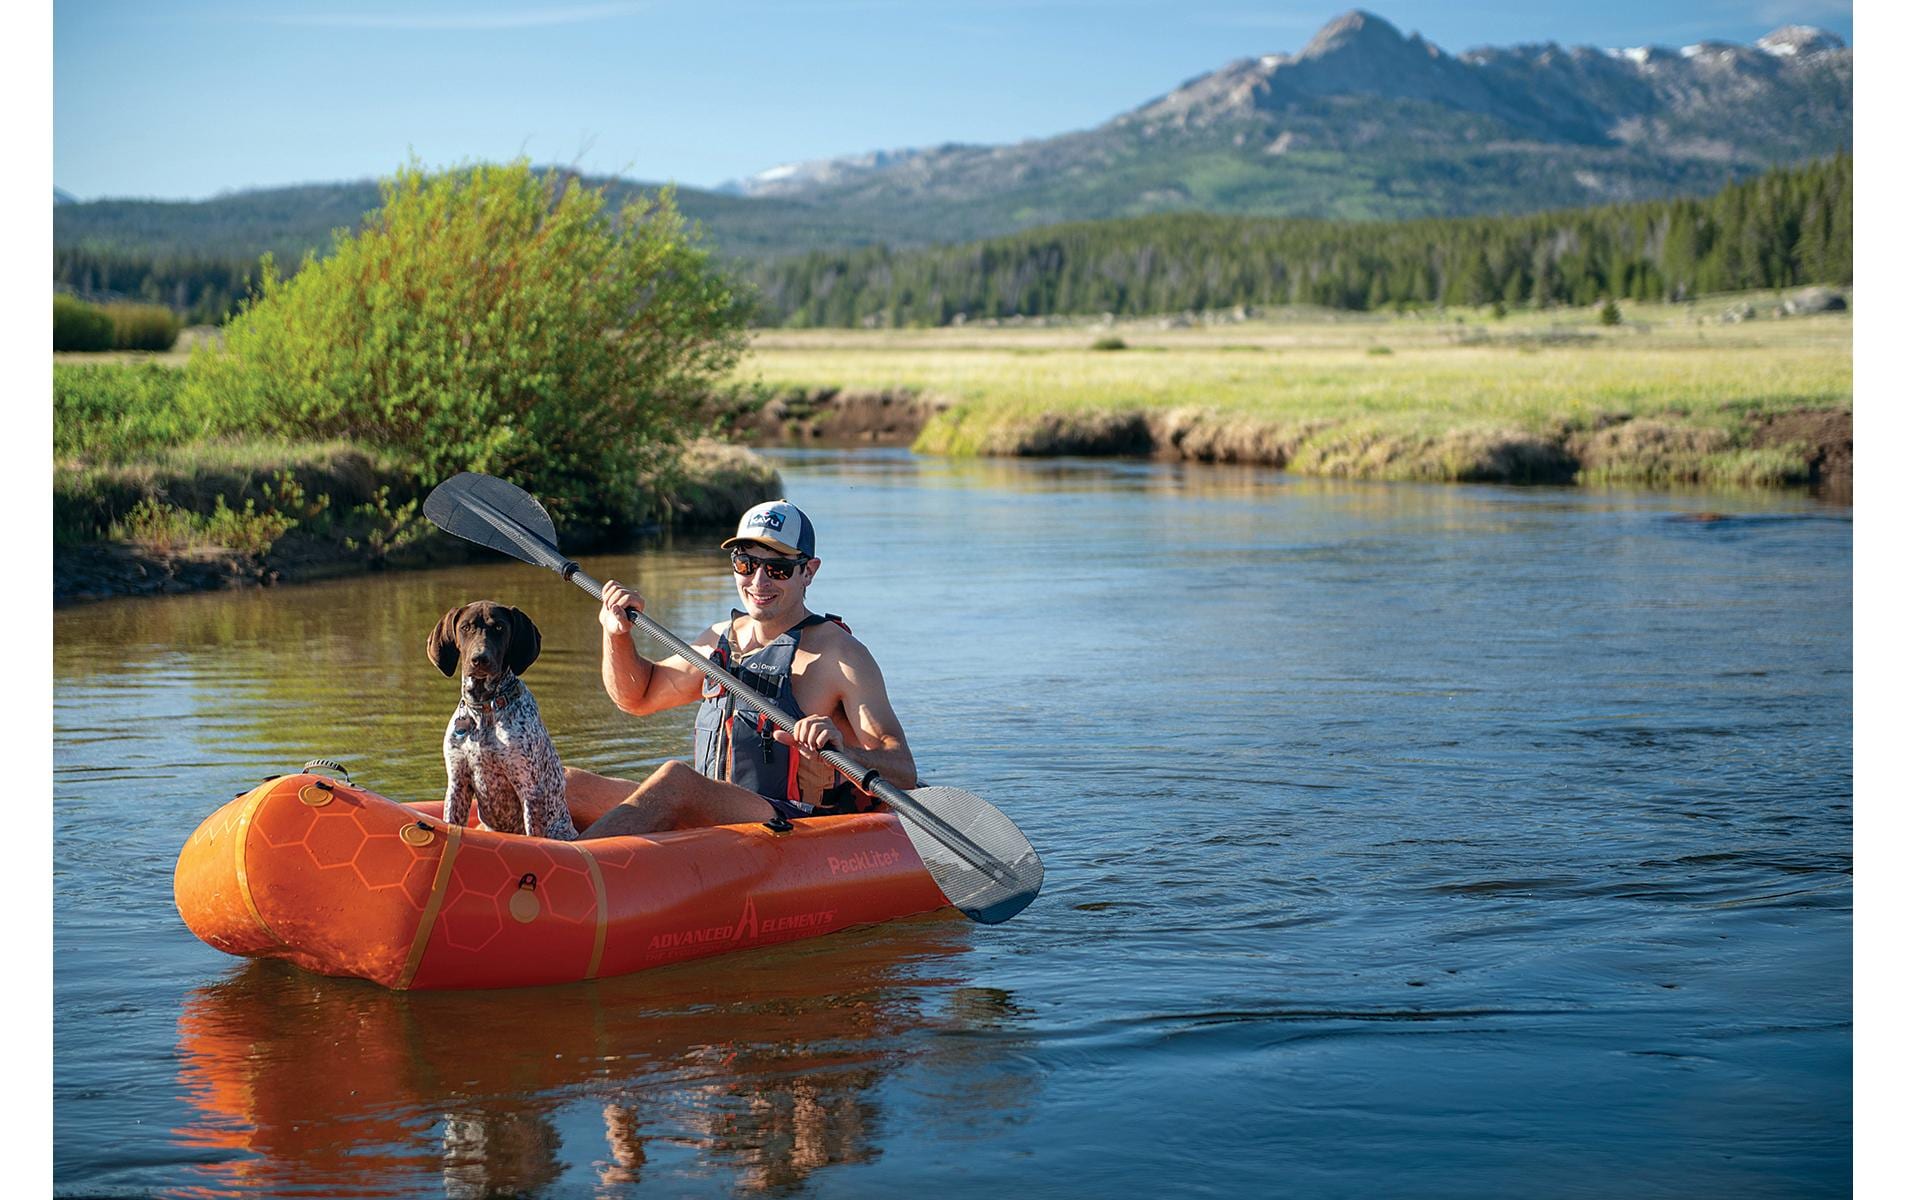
<point x="978" y="858"/>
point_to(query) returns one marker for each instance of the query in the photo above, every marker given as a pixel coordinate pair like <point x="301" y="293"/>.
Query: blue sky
<point x="189" y="99"/>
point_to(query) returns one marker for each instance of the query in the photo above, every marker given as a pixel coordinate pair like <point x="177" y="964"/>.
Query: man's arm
<point x="857" y="689"/>
<point x="883" y="744"/>
<point x="640" y="687"/>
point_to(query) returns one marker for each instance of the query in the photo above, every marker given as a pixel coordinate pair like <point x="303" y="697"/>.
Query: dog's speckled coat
<point x="496" y="750"/>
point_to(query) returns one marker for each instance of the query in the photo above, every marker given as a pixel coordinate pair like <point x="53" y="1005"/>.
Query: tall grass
<point x="79" y="326"/>
<point x="1465" y="396"/>
<point x="143" y="326"/>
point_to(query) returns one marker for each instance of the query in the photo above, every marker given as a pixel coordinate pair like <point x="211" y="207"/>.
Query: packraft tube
<point x="343" y="881"/>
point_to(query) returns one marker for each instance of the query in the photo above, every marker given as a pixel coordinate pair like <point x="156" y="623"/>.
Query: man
<point x="745" y="768"/>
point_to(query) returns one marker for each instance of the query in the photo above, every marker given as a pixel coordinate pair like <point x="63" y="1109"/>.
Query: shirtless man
<point x="746" y="769"/>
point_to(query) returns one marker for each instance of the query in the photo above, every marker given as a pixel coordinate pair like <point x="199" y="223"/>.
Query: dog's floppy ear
<point x="526" y="641"/>
<point x="441" y="646"/>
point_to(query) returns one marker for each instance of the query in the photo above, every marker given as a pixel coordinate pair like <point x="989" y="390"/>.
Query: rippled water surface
<point x="1442" y="841"/>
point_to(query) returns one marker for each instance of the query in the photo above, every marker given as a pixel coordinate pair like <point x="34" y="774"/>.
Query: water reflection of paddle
<point x="768" y="1072"/>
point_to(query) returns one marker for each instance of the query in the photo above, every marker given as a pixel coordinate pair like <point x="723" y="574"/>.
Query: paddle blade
<point x="985" y="896"/>
<point x="492" y="512"/>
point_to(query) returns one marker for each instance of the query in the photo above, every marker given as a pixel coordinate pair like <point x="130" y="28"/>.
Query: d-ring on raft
<point x="342" y="881"/>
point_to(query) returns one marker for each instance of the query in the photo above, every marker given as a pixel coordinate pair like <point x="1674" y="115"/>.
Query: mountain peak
<point x="1541" y="124"/>
<point x="1354" y="29"/>
<point x="1791" y="41"/>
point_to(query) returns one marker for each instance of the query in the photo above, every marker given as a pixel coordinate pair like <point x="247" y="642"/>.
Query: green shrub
<point x="158" y="526"/>
<point x="1109" y="343"/>
<point x="143" y="326"/>
<point x="387" y="527"/>
<point x="494" y="320"/>
<point x="113" y="413"/>
<point x="317" y="486"/>
<point x="246" y="529"/>
<point x="167" y="528"/>
<point x="78" y="325"/>
<point x="1611" y="312"/>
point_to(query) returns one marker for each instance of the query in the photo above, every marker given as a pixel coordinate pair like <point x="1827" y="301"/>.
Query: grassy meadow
<point x="1673" y="393"/>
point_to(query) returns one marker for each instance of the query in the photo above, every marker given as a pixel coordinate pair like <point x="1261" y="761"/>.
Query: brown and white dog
<point x="496" y="750"/>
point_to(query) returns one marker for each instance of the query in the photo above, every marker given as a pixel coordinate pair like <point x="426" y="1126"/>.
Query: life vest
<point x="735" y="744"/>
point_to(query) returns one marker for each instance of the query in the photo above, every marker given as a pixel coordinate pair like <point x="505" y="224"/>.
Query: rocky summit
<point x="1366" y="122"/>
<point x="1788" y="95"/>
<point x="1363" y="122"/>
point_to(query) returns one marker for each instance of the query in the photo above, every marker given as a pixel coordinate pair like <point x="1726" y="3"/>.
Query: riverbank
<point x="1727" y="391"/>
<point x="249" y="516"/>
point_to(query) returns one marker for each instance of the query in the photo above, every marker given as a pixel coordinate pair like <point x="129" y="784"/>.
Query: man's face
<point x="764" y="596"/>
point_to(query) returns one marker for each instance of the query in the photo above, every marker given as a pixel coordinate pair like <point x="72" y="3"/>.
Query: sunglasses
<point x="777" y="568"/>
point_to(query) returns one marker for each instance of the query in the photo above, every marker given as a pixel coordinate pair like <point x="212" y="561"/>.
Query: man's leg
<point x="590" y="795"/>
<point x="679" y="797"/>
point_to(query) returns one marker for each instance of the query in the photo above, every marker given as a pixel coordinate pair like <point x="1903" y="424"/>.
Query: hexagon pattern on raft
<point x="344" y="834"/>
<point x="485" y="878"/>
<point x="212" y="832"/>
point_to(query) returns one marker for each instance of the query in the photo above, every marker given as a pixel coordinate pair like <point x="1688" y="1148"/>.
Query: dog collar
<point x="503" y="697"/>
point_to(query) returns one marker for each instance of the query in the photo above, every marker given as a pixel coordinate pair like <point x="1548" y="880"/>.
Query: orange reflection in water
<point x="760" y="1066"/>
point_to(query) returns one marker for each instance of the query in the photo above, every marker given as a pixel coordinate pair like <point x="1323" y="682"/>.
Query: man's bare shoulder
<point x="830" y="642"/>
<point x="703" y="645"/>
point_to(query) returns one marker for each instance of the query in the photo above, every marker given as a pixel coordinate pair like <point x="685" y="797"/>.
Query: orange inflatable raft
<point x="342" y="881"/>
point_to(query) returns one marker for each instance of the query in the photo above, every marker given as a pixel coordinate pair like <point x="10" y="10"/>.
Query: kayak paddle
<point x="978" y="857"/>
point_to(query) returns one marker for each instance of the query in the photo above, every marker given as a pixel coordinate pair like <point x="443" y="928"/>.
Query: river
<point x="1456" y="841"/>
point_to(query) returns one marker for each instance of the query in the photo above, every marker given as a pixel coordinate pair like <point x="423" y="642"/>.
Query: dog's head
<point x="485" y="637"/>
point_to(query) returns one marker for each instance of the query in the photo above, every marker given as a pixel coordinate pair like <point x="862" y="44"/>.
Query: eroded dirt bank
<point x="1812" y="448"/>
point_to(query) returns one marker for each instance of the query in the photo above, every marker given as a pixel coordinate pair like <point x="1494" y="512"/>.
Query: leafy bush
<point x="113" y="413"/>
<point x="246" y="529"/>
<point x="143" y="326"/>
<point x="167" y="528"/>
<point x="491" y="319"/>
<point x="78" y="325"/>
<point x="1109" y="343"/>
<point x="387" y="527"/>
<point x="158" y="526"/>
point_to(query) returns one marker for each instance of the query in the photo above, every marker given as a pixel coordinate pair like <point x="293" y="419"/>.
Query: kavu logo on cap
<point x="778" y="524"/>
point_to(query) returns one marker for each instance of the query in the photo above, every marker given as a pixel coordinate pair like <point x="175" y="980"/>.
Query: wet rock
<point x="1810" y="301"/>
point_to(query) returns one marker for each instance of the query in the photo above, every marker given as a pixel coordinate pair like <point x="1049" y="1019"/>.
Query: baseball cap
<point x="775" y="523"/>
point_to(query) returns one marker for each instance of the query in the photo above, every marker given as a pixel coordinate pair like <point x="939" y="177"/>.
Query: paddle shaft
<point x="498" y="514"/>
<point x="866" y="779"/>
